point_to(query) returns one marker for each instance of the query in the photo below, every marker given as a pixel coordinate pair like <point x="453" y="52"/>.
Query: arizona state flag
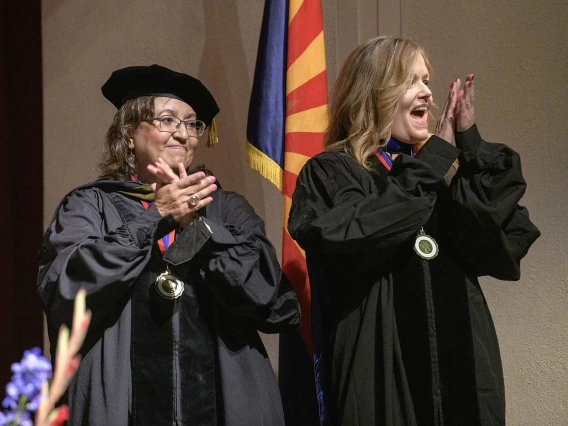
<point x="286" y="121"/>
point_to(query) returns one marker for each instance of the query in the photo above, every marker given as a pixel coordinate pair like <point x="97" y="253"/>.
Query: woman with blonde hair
<point x="397" y="224"/>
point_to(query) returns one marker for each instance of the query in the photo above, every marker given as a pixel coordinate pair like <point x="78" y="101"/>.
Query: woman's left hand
<point x="465" y="113"/>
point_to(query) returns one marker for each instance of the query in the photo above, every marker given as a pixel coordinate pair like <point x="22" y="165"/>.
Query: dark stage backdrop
<point x="21" y="180"/>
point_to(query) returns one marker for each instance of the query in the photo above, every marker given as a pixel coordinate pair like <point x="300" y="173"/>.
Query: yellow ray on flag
<point x="311" y="120"/>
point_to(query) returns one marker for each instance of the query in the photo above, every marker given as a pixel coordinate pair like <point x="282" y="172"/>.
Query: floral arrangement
<point x="23" y="393"/>
<point x="28" y="392"/>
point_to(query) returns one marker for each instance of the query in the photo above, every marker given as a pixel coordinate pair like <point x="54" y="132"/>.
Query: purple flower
<point x="33" y="368"/>
<point x="15" y="418"/>
<point x="6" y="418"/>
<point x="11" y="400"/>
<point x="24" y="419"/>
<point x="23" y="392"/>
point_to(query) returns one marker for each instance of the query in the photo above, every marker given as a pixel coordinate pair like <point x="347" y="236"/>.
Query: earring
<point x="131" y="157"/>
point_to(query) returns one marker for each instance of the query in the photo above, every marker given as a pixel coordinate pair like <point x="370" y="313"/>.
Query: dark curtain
<point x="21" y="175"/>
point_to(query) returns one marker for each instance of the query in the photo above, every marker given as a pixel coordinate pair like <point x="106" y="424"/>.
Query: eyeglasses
<point x="169" y="123"/>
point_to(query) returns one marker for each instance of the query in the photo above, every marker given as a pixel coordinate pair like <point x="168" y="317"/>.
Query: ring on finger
<point x="193" y="200"/>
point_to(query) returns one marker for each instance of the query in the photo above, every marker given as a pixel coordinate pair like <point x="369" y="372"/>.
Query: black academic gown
<point x="399" y="340"/>
<point x="197" y="360"/>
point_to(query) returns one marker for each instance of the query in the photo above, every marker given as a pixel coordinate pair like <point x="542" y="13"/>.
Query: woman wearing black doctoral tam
<point x="179" y="273"/>
<point x="396" y="232"/>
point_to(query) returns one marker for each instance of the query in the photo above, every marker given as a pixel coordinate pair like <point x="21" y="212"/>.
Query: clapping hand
<point x="458" y="113"/>
<point x="465" y="113"/>
<point x="181" y="196"/>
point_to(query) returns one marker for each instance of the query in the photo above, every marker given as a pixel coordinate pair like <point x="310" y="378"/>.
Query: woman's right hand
<point x="445" y="126"/>
<point x="172" y="192"/>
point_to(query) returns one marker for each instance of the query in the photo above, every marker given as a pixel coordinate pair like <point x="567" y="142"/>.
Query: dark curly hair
<point x="118" y="160"/>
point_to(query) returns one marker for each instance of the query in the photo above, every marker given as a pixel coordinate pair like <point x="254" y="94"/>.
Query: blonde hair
<point x="365" y="97"/>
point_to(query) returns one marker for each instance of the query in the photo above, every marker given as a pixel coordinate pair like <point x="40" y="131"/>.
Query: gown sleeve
<point x="80" y="251"/>
<point x="488" y="228"/>
<point x="336" y="208"/>
<point x="239" y="265"/>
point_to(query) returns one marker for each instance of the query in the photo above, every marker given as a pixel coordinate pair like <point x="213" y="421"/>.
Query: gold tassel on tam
<point x="212" y="138"/>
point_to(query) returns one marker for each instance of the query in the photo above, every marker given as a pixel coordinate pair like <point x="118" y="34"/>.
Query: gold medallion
<point x="168" y="285"/>
<point x="425" y="246"/>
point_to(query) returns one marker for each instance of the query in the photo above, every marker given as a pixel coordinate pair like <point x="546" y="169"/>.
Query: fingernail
<point x="213" y="186"/>
<point x="211" y="178"/>
<point x="201" y="174"/>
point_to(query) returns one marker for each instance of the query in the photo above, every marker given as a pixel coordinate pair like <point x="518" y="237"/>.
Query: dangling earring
<point x="131" y="157"/>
